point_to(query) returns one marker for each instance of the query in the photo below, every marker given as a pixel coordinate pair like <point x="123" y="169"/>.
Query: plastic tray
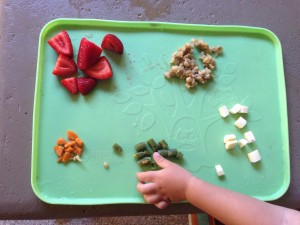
<point x="138" y="103"/>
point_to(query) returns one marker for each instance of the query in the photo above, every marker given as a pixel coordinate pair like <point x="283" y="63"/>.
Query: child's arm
<point x="172" y="184"/>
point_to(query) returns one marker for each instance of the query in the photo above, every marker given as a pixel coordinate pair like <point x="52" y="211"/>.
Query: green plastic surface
<point x="138" y="103"/>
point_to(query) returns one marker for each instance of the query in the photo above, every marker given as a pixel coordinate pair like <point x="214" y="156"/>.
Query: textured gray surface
<point x="21" y="22"/>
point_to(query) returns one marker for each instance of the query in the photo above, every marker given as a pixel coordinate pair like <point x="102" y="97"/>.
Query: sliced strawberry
<point x="86" y="84"/>
<point x="64" y="66"/>
<point x="71" y="84"/>
<point x="113" y="43"/>
<point x="101" y="70"/>
<point x="62" y="44"/>
<point x="88" y="54"/>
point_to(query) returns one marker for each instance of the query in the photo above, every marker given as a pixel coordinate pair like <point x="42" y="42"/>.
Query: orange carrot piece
<point x="71" y="135"/>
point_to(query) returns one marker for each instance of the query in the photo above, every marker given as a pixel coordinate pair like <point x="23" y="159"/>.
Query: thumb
<point x="161" y="161"/>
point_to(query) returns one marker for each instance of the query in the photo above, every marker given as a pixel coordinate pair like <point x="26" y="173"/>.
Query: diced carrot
<point x="67" y="157"/>
<point x="79" y="142"/>
<point x="59" y="150"/>
<point x="69" y="149"/>
<point x="60" y="158"/>
<point x="61" y="141"/>
<point x="77" y="150"/>
<point x="71" y="135"/>
<point x="69" y="144"/>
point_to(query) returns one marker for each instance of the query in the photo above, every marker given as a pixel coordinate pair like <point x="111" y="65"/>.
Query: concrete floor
<point x="126" y="220"/>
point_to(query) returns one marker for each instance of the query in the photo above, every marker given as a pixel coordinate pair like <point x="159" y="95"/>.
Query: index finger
<point x="146" y="176"/>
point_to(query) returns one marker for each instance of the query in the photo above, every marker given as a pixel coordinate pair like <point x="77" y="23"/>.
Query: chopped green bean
<point x="163" y="153"/>
<point x="172" y="152"/>
<point x="144" y="161"/>
<point x="140" y="155"/>
<point x="164" y="144"/>
<point x="152" y="144"/>
<point x="140" y="146"/>
<point x="158" y="147"/>
<point x="179" y="155"/>
<point x="117" y="148"/>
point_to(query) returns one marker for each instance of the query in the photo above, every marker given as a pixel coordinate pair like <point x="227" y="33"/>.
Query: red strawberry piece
<point x="71" y="84"/>
<point x="113" y="43"/>
<point x="88" y="54"/>
<point x="86" y="84"/>
<point x="101" y="70"/>
<point x="62" y="44"/>
<point x="64" y="66"/>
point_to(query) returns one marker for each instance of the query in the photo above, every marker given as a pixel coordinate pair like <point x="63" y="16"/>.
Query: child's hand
<point x="163" y="186"/>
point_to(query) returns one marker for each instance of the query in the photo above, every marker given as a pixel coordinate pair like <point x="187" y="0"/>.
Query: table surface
<point x="20" y="26"/>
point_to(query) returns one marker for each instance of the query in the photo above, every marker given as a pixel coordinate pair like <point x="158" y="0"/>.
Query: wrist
<point x="194" y="185"/>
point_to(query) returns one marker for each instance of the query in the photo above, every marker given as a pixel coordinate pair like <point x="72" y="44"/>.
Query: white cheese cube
<point x="229" y="137"/>
<point x="230" y="144"/>
<point x="244" y="109"/>
<point x="223" y="111"/>
<point x="254" y="156"/>
<point x="219" y="170"/>
<point x="240" y="122"/>
<point x="235" y="109"/>
<point x="242" y="142"/>
<point x="249" y="137"/>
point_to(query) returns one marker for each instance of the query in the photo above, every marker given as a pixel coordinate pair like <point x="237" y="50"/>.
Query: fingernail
<point x="156" y="155"/>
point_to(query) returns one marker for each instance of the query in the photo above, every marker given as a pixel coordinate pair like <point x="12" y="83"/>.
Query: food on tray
<point x="249" y="136"/>
<point x="240" y="122"/>
<point x="254" y="156"/>
<point x="184" y="65"/>
<point x="64" y="66"/>
<point x="113" y="43"/>
<point x="224" y="112"/>
<point x="235" y="109"/>
<point x="117" y="148"/>
<point x="71" y="84"/>
<point x="62" y="44"/>
<point x="88" y="54"/>
<point x="219" y="170"/>
<point x="69" y="150"/>
<point x="86" y="84"/>
<point x="101" y="70"/>
<point x="88" y="60"/>
<point x="144" y="155"/>
<point x="230" y="144"/>
<point x="229" y="137"/>
<point x="105" y="165"/>
<point x="242" y="142"/>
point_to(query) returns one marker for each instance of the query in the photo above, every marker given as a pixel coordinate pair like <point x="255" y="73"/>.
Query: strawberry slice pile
<point x="89" y="61"/>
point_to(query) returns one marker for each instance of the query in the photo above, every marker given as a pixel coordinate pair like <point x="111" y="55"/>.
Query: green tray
<point x="138" y="103"/>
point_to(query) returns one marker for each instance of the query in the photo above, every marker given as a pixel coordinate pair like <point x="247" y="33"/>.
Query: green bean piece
<point x="140" y="147"/>
<point x="117" y="148"/>
<point x="164" y="144"/>
<point x="154" y="165"/>
<point x="158" y="147"/>
<point x="140" y="155"/>
<point x="179" y="155"/>
<point x="163" y="153"/>
<point x="144" y="161"/>
<point x="152" y="144"/>
<point x="172" y="152"/>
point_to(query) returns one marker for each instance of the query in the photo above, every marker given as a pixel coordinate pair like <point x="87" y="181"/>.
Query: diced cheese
<point x="230" y="144"/>
<point x="244" y="109"/>
<point x="223" y="111"/>
<point x="249" y="136"/>
<point x="254" y="156"/>
<point x="242" y="142"/>
<point x="240" y="122"/>
<point x="235" y="109"/>
<point x="229" y="137"/>
<point x="219" y="170"/>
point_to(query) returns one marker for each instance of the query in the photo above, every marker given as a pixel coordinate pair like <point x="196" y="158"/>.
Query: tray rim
<point x="159" y="25"/>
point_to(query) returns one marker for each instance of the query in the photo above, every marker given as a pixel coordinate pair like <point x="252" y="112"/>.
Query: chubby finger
<point x="153" y="199"/>
<point x="162" y="204"/>
<point x="148" y="188"/>
<point x="146" y="176"/>
<point x="161" y="161"/>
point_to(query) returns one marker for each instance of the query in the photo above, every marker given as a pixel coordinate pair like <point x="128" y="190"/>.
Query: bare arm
<point x="173" y="184"/>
